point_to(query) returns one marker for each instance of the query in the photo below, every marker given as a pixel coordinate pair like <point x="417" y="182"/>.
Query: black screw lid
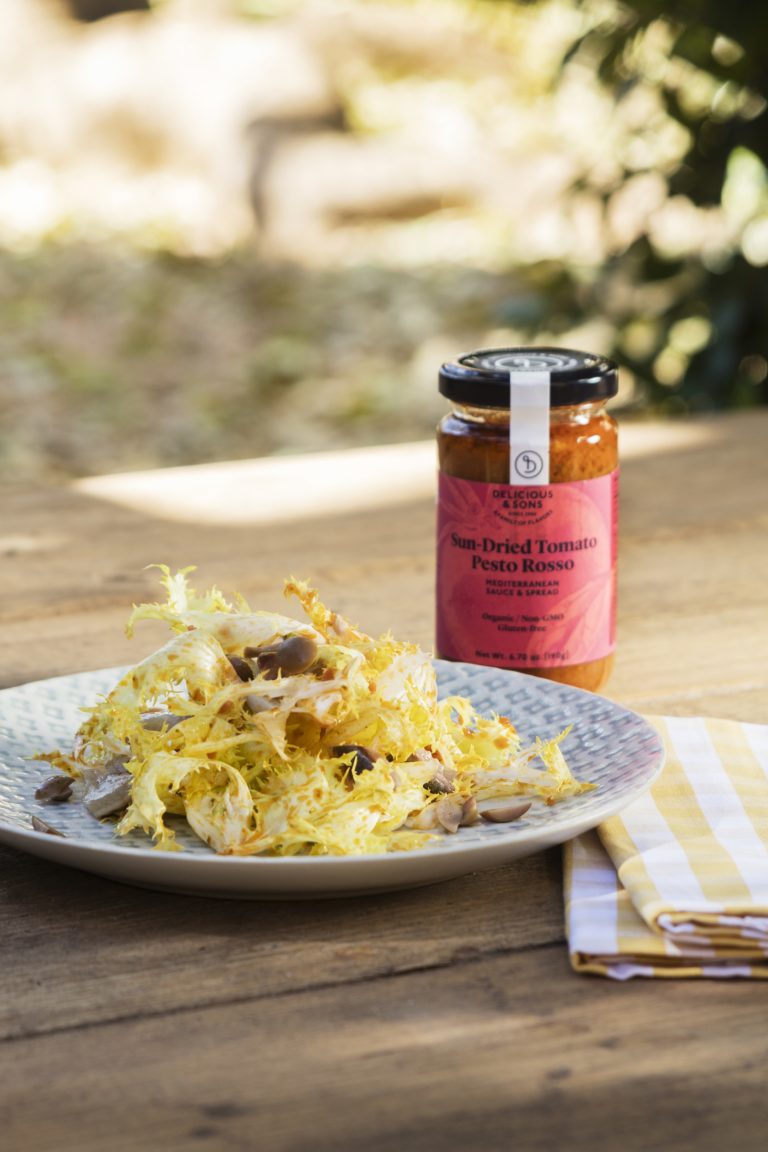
<point x="481" y="379"/>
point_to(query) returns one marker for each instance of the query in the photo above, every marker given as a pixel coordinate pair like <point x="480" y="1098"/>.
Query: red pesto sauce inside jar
<point x="529" y="574"/>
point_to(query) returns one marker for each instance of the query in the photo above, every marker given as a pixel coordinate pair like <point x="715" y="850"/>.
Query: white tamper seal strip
<point x="529" y="396"/>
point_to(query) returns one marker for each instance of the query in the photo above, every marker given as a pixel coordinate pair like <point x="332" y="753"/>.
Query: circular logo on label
<point x="528" y="464"/>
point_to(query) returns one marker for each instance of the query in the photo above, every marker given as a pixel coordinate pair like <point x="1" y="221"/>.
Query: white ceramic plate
<point x="608" y="745"/>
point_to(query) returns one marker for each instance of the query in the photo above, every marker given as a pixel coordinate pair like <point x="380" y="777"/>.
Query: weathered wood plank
<point x="508" y="1052"/>
<point x="72" y="564"/>
<point x="740" y="702"/>
<point x="688" y="625"/>
<point x="76" y="949"/>
<point x="64" y="610"/>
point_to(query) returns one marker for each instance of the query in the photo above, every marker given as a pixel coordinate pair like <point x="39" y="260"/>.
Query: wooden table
<point x="446" y="1017"/>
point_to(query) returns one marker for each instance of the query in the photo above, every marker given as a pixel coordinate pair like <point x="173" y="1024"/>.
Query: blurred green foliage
<point x="690" y="322"/>
<point x="116" y="354"/>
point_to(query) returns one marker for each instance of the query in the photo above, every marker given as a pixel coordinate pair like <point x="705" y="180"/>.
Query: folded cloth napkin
<point x="677" y="883"/>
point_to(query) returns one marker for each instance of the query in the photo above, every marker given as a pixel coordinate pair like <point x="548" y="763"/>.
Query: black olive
<point x="242" y="667"/>
<point x="363" y="758"/>
<point x="252" y="652"/>
<point x="54" y="790"/>
<point x="289" y="657"/>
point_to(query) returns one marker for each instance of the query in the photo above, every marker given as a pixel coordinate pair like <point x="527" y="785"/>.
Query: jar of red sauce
<point x="527" y="513"/>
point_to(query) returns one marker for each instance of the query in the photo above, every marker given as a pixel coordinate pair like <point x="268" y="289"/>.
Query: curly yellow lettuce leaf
<point x="262" y="760"/>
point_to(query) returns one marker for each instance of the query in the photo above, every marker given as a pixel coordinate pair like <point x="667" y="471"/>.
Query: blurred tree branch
<point x="707" y="63"/>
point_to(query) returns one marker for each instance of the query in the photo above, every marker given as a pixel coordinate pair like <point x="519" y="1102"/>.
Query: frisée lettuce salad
<point x="278" y="736"/>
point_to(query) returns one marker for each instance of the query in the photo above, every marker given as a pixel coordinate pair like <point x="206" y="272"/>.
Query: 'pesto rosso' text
<point x="487" y="553"/>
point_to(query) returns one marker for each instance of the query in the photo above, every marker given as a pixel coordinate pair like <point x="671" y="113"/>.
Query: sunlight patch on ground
<point x="285" y="489"/>
<point x="277" y="489"/>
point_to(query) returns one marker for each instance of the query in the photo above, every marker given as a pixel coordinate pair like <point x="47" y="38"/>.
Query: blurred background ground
<point x="230" y="228"/>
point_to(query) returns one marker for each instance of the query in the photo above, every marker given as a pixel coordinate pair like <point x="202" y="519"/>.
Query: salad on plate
<point x="276" y="736"/>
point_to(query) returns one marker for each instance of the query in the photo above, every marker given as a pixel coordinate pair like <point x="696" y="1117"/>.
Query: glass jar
<point x="527" y="513"/>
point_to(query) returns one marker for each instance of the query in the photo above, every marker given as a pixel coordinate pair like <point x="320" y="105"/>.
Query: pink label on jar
<point x="526" y="576"/>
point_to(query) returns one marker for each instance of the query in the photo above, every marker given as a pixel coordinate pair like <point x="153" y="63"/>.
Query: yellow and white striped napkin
<point x="677" y="884"/>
